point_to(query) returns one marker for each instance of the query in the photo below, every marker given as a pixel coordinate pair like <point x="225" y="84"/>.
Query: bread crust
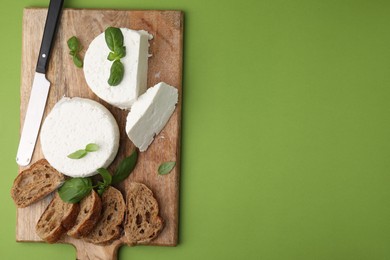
<point x="109" y="227"/>
<point x="90" y="210"/>
<point x="57" y="218"/>
<point x="35" y="183"/>
<point x="142" y="223"/>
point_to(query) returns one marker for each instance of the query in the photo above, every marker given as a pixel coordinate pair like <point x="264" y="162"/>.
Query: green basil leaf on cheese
<point x="112" y="56"/>
<point x="116" y="73"/>
<point x="120" y="51"/>
<point x="91" y="147"/>
<point x="113" y="37"/>
<point x="114" y="41"/>
<point x="83" y="152"/>
<point x="126" y="166"/>
<point x="78" y="154"/>
<point x="75" y="189"/>
<point x="166" y="167"/>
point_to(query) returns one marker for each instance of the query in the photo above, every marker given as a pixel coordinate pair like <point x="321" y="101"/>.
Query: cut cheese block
<point x="70" y="126"/>
<point x="97" y="68"/>
<point x="150" y="113"/>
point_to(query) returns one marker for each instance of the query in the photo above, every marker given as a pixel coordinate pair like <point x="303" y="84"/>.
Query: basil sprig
<point x="102" y="186"/>
<point x="75" y="48"/>
<point x="114" y="41"/>
<point x="75" y="189"/>
<point x="83" y="152"/>
<point x="117" y="54"/>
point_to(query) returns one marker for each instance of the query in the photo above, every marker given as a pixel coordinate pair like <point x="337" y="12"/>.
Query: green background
<point x="285" y="148"/>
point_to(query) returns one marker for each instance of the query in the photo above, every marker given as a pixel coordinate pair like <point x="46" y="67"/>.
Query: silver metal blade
<point x="33" y="118"/>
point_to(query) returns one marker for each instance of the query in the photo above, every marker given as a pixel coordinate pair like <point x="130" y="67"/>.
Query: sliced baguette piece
<point x="142" y="222"/>
<point x="109" y="226"/>
<point x="57" y="218"/>
<point x="35" y="183"/>
<point x="90" y="209"/>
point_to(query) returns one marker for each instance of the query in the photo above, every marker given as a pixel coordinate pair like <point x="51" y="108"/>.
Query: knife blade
<point x="40" y="88"/>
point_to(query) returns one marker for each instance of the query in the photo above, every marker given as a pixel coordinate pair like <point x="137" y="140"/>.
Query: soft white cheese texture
<point x="150" y="113"/>
<point x="97" y="68"/>
<point x="70" y="126"/>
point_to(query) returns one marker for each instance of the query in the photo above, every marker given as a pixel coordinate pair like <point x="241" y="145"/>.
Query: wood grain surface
<point x="66" y="79"/>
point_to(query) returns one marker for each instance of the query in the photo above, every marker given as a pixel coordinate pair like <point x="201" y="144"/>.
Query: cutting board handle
<point x="87" y="251"/>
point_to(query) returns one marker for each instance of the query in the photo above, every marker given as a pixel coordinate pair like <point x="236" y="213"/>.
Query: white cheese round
<point x="97" y="68"/>
<point x="70" y="126"/>
<point x="150" y="113"/>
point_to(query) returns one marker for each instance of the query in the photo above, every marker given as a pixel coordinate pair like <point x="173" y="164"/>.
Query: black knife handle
<point x="52" y="19"/>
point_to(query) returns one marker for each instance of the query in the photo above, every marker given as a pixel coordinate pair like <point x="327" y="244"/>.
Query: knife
<point x="40" y="88"/>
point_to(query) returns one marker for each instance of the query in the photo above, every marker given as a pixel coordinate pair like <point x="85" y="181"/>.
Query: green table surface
<point x="285" y="138"/>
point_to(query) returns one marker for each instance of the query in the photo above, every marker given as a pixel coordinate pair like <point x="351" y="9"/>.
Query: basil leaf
<point x="114" y="41"/>
<point x="126" y="166"/>
<point x="75" y="47"/>
<point x="100" y="189"/>
<point x="116" y="73"/>
<point x="105" y="175"/>
<point x="112" y="56"/>
<point x="91" y="147"/>
<point x="120" y="51"/>
<point x="83" y="152"/>
<point x="75" y="189"/>
<point x="74" y="44"/>
<point x="113" y="37"/>
<point x="77" y="61"/>
<point x="166" y="167"/>
<point x="78" y="154"/>
<point x="102" y="186"/>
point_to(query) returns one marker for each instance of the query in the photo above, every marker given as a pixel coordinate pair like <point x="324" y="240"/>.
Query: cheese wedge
<point x="97" y="68"/>
<point x="70" y="126"/>
<point x="150" y="113"/>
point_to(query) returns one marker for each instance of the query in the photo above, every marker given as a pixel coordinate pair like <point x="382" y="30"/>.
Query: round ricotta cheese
<point x="134" y="83"/>
<point x="70" y="126"/>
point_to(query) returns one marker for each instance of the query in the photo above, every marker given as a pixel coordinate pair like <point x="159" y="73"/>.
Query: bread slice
<point x="35" y="183"/>
<point x="57" y="218"/>
<point x="90" y="209"/>
<point x="109" y="226"/>
<point x="142" y="222"/>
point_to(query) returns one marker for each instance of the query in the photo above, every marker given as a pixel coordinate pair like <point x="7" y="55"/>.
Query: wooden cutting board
<point x="68" y="80"/>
